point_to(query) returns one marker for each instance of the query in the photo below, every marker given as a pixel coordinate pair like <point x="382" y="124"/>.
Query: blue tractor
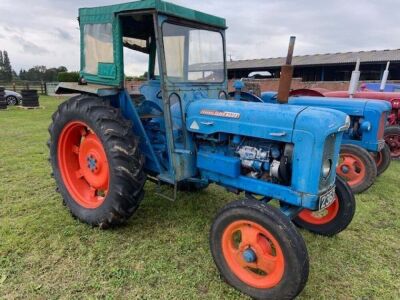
<point x="181" y="130"/>
<point x="364" y="154"/>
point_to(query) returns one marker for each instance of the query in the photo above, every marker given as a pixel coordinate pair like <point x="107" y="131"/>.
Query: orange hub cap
<point x="351" y="168"/>
<point x="322" y="216"/>
<point x="83" y="164"/>
<point x="253" y="254"/>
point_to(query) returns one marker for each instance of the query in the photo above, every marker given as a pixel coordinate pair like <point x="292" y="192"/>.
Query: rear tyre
<point x="335" y="218"/>
<point x="382" y="159"/>
<point x="357" y="168"/>
<point x="392" y="139"/>
<point x="96" y="161"/>
<point x="259" y="251"/>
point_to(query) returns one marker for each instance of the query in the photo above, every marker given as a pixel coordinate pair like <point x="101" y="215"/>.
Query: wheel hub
<point x="351" y="168"/>
<point x="83" y="164"/>
<point x="249" y="255"/>
<point x="253" y="254"/>
<point x="92" y="163"/>
<point x="345" y="169"/>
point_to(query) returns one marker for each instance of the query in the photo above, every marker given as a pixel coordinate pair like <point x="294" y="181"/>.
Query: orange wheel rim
<point x="83" y="164"/>
<point x="253" y="254"/>
<point x="322" y="216"/>
<point x="351" y="168"/>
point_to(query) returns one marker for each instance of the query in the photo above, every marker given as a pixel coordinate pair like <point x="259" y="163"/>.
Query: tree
<point x="41" y="73"/>
<point x="1" y="66"/>
<point x="7" y="69"/>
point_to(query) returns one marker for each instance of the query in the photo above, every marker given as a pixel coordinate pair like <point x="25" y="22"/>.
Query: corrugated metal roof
<point x="319" y="59"/>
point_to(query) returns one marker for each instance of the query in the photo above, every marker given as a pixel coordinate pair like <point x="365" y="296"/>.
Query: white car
<point x="12" y="98"/>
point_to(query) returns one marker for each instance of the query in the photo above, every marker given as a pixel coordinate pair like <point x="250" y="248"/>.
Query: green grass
<point x="162" y="253"/>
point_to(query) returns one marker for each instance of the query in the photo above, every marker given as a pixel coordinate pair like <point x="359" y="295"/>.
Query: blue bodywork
<point x="389" y="87"/>
<point x="315" y="134"/>
<point x="367" y="117"/>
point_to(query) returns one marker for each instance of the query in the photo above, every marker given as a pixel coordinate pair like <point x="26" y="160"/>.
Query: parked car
<point x="12" y="98"/>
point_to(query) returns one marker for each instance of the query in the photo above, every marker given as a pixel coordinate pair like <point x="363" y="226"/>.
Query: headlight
<point x="326" y="168"/>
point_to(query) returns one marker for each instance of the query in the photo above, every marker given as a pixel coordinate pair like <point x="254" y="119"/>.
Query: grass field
<point x="163" y="252"/>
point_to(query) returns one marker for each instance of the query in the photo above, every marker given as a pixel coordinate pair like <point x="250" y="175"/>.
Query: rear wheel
<point x="96" y="161"/>
<point x="392" y="139"/>
<point x="259" y="251"/>
<point x="333" y="219"/>
<point x="382" y="159"/>
<point x="357" y="167"/>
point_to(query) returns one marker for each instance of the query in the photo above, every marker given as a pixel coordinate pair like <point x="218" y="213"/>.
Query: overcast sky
<point x="45" y="32"/>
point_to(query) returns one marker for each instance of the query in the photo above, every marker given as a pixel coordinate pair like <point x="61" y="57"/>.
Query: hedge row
<point x="68" y="77"/>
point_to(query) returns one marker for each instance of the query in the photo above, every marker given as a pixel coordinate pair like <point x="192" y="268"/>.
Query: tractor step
<point x="161" y="181"/>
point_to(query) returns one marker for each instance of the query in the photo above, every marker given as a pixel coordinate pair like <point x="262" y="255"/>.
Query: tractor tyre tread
<point x="292" y="243"/>
<point x="347" y="209"/>
<point x="123" y="154"/>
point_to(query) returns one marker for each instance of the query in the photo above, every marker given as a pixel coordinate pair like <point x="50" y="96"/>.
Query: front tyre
<point x="11" y="100"/>
<point x="259" y="251"/>
<point x="382" y="159"/>
<point x="357" y="167"/>
<point x="333" y="219"/>
<point x="96" y="161"/>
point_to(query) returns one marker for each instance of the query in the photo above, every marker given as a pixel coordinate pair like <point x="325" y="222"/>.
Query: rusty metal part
<point x="286" y="74"/>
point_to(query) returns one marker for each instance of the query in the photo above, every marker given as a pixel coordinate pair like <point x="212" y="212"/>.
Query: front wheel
<point x="357" y="168"/>
<point x="333" y="219"/>
<point x="382" y="159"/>
<point x="11" y="100"/>
<point x="96" y="161"/>
<point x="392" y="139"/>
<point x="259" y="251"/>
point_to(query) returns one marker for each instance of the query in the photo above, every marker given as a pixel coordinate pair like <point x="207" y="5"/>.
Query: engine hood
<point x="262" y="120"/>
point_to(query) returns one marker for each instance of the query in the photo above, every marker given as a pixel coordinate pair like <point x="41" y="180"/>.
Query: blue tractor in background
<point x="183" y="131"/>
<point x="364" y="137"/>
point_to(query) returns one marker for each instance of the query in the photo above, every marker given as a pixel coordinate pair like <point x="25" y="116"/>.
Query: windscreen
<point x="193" y="54"/>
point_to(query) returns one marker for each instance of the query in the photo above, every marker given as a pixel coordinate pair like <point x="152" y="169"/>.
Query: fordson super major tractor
<point x="182" y="131"/>
<point x="364" y="154"/>
<point x="392" y="97"/>
<point x="361" y="143"/>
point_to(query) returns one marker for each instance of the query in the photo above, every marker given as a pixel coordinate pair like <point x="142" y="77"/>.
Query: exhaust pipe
<point x="355" y="77"/>
<point x="385" y="77"/>
<point x="286" y="74"/>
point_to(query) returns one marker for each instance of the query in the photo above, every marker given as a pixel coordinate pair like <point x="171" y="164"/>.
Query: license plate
<point x="326" y="199"/>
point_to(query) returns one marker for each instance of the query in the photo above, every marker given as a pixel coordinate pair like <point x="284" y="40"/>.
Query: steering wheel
<point x="247" y="97"/>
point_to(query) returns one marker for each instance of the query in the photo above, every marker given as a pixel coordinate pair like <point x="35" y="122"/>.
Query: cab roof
<point x="103" y="14"/>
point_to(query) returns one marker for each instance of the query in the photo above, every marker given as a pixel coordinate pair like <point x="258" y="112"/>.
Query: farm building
<point x="324" y="67"/>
